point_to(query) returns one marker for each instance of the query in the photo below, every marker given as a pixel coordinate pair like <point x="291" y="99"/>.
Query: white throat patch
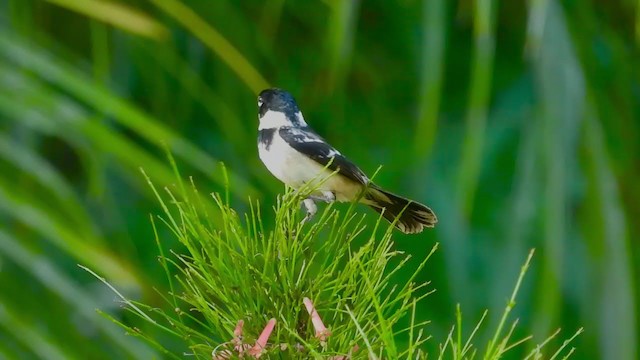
<point x="275" y="119"/>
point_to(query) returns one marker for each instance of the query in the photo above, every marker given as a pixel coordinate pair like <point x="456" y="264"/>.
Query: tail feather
<point x="412" y="217"/>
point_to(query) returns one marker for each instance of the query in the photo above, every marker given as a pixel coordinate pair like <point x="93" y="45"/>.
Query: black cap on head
<point x="276" y="100"/>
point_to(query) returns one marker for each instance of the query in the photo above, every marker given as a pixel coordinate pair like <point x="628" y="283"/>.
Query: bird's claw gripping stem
<point x="311" y="209"/>
<point x="310" y="206"/>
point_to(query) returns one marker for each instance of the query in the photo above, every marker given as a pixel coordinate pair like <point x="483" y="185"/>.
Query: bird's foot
<point x="329" y="196"/>
<point x="326" y="196"/>
<point x="310" y="207"/>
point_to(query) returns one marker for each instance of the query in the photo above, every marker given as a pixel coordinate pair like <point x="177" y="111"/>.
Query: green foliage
<point x="238" y="272"/>
<point x="517" y="122"/>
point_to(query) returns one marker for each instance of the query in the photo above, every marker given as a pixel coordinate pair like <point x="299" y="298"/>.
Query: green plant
<point x="458" y="347"/>
<point x="236" y="277"/>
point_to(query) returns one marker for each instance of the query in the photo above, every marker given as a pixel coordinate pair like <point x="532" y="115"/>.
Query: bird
<point x="296" y="155"/>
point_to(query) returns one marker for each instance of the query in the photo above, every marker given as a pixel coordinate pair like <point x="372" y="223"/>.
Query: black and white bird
<point x="296" y="155"/>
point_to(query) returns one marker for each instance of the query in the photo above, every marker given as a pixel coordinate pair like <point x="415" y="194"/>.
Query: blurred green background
<point x="516" y="121"/>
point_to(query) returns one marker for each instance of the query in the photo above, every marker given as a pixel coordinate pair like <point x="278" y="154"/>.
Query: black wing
<point x="307" y="142"/>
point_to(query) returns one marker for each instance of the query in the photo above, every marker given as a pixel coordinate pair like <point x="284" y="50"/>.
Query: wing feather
<point x="307" y="142"/>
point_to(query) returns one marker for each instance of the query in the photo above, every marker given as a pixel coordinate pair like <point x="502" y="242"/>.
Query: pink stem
<point x="321" y="331"/>
<point x="261" y="343"/>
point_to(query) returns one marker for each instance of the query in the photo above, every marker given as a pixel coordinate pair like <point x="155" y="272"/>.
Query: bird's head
<point x="278" y="108"/>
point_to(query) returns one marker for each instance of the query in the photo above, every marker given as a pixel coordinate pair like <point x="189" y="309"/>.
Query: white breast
<point x="296" y="169"/>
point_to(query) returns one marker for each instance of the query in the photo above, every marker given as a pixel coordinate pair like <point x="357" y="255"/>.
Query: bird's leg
<point x="329" y="196"/>
<point x="310" y="207"/>
<point x="326" y="196"/>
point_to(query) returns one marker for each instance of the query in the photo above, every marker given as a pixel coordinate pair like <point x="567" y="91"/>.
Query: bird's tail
<point x="412" y="216"/>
